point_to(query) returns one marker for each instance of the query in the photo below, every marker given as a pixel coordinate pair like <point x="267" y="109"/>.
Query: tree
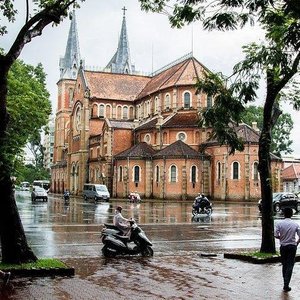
<point x="28" y="105"/>
<point x="277" y="60"/>
<point x="14" y="244"/>
<point x="281" y="132"/>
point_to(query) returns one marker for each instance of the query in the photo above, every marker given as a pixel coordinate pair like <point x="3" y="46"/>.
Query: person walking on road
<point x="5" y="276"/>
<point x="286" y="231"/>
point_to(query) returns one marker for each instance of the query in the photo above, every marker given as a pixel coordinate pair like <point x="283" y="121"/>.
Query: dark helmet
<point x="119" y="208"/>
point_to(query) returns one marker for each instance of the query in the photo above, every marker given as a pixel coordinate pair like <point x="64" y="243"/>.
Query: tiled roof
<point x="291" y="172"/>
<point x="189" y="119"/>
<point x="148" y="125"/>
<point x="178" y="149"/>
<point x="244" y="131"/>
<point x="138" y="151"/>
<point x="121" y="124"/>
<point x="183" y="73"/>
<point x="114" y="86"/>
<point x="247" y="133"/>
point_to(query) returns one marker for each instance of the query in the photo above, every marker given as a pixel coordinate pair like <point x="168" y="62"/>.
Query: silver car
<point x="38" y="193"/>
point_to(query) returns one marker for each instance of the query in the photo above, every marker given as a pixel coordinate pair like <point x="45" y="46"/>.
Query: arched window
<point x="125" y="112"/>
<point x="119" y="112"/>
<point x="95" y="111"/>
<point x="136" y="174"/>
<point x="156" y="105"/>
<point x="120" y="173"/>
<point x="209" y="101"/>
<point x="186" y="100"/>
<point x="255" y="171"/>
<point x="157" y="173"/>
<point x="101" y="111"/>
<point x="165" y="138"/>
<point x="235" y="170"/>
<point x="173" y="174"/>
<point x="194" y="174"/>
<point x="167" y="101"/>
<point x="219" y="171"/>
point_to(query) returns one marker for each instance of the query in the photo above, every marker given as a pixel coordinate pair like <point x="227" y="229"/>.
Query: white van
<point x="95" y="191"/>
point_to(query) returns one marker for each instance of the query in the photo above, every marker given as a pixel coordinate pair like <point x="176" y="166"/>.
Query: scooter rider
<point x="121" y="222"/>
<point x="201" y="202"/>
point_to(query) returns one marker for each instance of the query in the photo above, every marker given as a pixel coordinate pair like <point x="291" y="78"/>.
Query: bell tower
<point x="69" y="66"/>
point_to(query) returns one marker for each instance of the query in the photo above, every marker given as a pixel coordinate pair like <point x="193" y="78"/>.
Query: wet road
<point x="176" y="272"/>
<point x="54" y="229"/>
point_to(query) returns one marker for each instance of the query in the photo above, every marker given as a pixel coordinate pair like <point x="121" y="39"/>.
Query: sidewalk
<point x="184" y="276"/>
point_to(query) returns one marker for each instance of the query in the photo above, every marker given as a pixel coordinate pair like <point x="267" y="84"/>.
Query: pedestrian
<point x="121" y="222"/>
<point x="5" y="276"/>
<point x="286" y="231"/>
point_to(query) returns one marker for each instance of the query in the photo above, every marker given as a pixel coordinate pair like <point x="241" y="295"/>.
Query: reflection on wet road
<point x="60" y="230"/>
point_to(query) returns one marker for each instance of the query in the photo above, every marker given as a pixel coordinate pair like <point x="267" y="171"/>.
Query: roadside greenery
<point x="29" y="173"/>
<point x="47" y="263"/>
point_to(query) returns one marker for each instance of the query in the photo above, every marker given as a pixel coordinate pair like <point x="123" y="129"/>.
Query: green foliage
<point x="281" y="131"/>
<point x="29" y="173"/>
<point x="45" y="263"/>
<point x="226" y="111"/>
<point x="29" y="107"/>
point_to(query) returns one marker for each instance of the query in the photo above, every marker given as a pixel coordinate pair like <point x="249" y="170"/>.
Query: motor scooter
<point x="202" y="206"/>
<point x="134" y="198"/>
<point x="67" y="196"/>
<point x="135" y="243"/>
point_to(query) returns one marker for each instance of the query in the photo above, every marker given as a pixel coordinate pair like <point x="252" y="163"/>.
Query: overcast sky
<point x="153" y="43"/>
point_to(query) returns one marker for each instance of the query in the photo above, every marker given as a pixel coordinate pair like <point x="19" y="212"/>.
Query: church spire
<point x="120" y="62"/>
<point x="69" y="64"/>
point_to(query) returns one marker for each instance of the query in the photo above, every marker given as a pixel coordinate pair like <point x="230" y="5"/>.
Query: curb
<point x="255" y="260"/>
<point x="42" y="272"/>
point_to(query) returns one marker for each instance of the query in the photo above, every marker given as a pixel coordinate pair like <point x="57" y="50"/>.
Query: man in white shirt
<point x="286" y="231"/>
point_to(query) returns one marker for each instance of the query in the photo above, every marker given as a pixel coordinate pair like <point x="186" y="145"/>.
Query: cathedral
<point x="141" y="133"/>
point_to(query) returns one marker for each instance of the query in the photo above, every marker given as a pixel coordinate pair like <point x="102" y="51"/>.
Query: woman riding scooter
<point x="121" y="222"/>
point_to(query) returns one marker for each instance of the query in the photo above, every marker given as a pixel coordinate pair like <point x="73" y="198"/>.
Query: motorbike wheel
<point x="147" y="251"/>
<point x="208" y="211"/>
<point x="107" y="252"/>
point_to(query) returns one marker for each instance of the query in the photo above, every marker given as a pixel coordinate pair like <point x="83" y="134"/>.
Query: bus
<point x="45" y="184"/>
<point x="25" y="186"/>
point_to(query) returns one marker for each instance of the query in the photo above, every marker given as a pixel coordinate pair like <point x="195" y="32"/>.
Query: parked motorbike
<point x="134" y="197"/>
<point x="136" y="242"/>
<point x="202" y="206"/>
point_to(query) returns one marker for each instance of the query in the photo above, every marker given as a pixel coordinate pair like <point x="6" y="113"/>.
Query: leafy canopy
<point x="281" y="142"/>
<point x="28" y="104"/>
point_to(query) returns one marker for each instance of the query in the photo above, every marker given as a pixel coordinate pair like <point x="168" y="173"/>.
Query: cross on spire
<point x="124" y="9"/>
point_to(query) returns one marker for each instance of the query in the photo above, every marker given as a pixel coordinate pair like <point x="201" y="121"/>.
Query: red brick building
<point x="141" y="133"/>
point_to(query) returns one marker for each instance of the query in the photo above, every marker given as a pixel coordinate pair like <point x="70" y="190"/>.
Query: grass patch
<point x="47" y="263"/>
<point x="261" y="255"/>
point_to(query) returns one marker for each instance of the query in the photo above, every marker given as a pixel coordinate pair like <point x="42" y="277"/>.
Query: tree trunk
<point x="13" y="240"/>
<point x="268" y="240"/>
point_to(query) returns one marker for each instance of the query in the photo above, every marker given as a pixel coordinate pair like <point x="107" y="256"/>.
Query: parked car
<point x="96" y="192"/>
<point x="282" y="200"/>
<point x="38" y="193"/>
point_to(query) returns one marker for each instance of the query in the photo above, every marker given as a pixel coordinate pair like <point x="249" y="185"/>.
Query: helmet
<point x="119" y="208"/>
